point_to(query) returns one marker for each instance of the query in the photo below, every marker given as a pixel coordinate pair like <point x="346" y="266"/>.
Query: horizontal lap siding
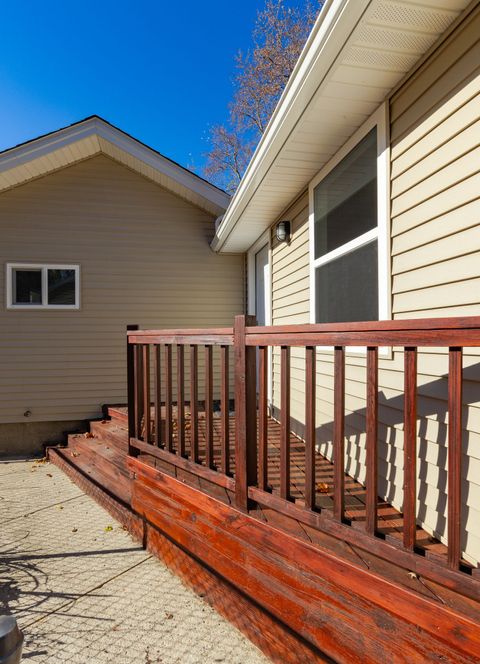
<point x="290" y="301"/>
<point x="144" y="258"/>
<point x="435" y="135"/>
<point x="435" y="272"/>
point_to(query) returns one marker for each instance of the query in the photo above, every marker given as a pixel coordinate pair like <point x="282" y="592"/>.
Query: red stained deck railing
<point x="171" y="431"/>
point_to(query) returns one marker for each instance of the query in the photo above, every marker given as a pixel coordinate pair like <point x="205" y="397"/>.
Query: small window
<point x="348" y="223"/>
<point x="43" y="286"/>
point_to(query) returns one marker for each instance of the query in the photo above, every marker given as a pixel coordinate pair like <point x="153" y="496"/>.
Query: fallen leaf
<point x="89" y="434"/>
<point x="169" y="616"/>
<point x="107" y="529"/>
<point x="49" y="475"/>
<point x="322" y="487"/>
<point x="74" y="530"/>
<point x="74" y="454"/>
<point x="413" y="575"/>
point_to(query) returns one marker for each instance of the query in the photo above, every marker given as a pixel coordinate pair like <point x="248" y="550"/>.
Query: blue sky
<point x="161" y="70"/>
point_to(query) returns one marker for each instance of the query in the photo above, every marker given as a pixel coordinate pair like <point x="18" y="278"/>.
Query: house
<point x="97" y="231"/>
<point x="332" y="512"/>
<point x="372" y="156"/>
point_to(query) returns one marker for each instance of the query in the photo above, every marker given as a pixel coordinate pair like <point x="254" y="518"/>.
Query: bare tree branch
<point x="278" y="37"/>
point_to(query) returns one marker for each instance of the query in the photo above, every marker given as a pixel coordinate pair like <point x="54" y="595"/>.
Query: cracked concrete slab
<point x="84" y="591"/>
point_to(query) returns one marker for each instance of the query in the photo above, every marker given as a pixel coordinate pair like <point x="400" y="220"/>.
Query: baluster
<point x="310" y="407"/>
<point x="410" y="449"/>
<point x="263" y="418"/>
<point x="454" y="456"/>
<point x="339" y="434"/>
<point x="138" y="390"/>
<point x="180" y="400"/>
<point x="209" y="459"/>
<point x="146" y="393"/>
<point x="158" y="397"/>
<point x="194" y="403"/>
<point x="371" y="441"/>
<point x="131" y="392"/>
<point x="245" y="414"/>
<point x="168" y="398"/>
<point x="225" y="411"/>
<point x="285" y="422"/>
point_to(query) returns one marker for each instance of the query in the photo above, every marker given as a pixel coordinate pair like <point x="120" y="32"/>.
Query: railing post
<point x="454" y="514"/>
<point x="131" y="390"/>
<point x="245" y="413"/>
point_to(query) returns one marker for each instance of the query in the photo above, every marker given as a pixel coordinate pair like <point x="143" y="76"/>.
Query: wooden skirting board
<point x="347" y="612"/>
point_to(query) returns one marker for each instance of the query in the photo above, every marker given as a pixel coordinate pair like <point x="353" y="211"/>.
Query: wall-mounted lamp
<point x="282" y="231"/>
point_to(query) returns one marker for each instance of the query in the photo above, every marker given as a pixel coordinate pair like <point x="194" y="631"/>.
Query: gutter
<point x="332" y="28"/>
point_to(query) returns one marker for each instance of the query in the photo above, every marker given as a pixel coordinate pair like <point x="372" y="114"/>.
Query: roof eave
<point x="299" y="86"/>
<point x="95" y="127"/>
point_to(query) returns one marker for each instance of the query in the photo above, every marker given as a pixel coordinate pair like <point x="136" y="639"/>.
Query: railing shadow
<point x="432" y="450"/>
<point x="25" y="592"/>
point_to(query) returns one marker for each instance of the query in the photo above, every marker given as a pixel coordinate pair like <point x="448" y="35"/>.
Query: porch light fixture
<point x="282" y="231"/>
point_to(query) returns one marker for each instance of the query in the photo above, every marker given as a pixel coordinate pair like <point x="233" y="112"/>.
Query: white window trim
<point x="251" y="300"/>
<point x="263" y="240"/>
<point x="379" y="119"/>
<point x="44" y="267"/>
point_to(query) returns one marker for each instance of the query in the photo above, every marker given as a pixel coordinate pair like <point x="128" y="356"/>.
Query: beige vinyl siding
<point x="290" y="301"/>
<point x="435" y="166"/>
<point x="435" y="258"/>
<point x="144" y="258"/>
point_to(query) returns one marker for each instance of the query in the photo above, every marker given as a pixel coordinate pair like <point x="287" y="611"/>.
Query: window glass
<point x="27" y="286"/>
<point x="345" y="201"/>
<point x="61" y="286"/>
<point x="347" y="287"/>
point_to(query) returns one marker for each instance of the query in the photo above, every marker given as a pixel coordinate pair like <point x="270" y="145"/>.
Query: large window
<point x="42" y="286"/>
<point x="347" y="260"/>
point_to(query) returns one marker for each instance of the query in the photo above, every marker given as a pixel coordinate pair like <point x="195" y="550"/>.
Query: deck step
<point x="110" y="431"/>
<point x="101" y="463"/>
<point x="118" y="414"/>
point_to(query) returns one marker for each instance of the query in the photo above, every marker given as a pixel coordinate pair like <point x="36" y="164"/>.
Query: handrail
<point x="462" y="331"/>
<point x="426" y="332"/>
<point x="222" y="336"/>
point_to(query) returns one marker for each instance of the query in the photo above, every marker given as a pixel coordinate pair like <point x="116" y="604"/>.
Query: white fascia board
<point x="39" y="147"/>
<point x="334" y="25"/>
<point x="95" y="127"/>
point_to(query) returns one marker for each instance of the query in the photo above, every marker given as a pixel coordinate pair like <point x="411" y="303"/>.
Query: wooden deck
<point x="390" y="520"/>
<point x="300" y="593"/>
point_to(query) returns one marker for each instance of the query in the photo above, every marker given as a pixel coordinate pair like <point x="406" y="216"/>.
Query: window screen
<point x="345" y="209"/>
<point x="345" y="201"/>
<point x="347" y="288"/>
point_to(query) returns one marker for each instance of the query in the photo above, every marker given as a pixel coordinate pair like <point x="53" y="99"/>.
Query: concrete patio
<point x="84" y="591"/>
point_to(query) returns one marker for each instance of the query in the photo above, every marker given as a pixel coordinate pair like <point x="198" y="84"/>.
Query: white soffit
<point x="356" y="54"/>
<point x="94" y="136"/>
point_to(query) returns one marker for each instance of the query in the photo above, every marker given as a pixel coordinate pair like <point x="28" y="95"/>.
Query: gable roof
<point x="92" y="136"/>
<point x="357" y="53"/>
